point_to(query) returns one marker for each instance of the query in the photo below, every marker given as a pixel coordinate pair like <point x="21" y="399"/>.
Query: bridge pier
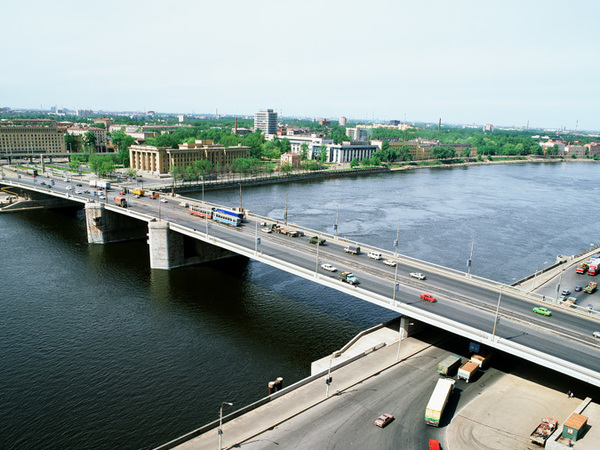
<point x="410" y="326"/>
<point x="105" y="227"/>
<point x="170" y="249"/>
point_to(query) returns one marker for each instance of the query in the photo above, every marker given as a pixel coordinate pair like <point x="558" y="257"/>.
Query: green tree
<point x="354" y="163"/>
<point x="122" y="141"/>
<point x="286" y="167"/>
<point x="323" y="154"/>
<point x="89" y="140"/>
<point x="203" y="167"/>
<point x="285" y="145"/>
<point x="72" y="143"/>
<point x="304" y="151"/>
<point x="176" y="173"/>
<point x="254" y="141"/>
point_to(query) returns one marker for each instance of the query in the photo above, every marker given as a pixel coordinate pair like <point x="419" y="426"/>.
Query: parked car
<point x="543" y="311"/>
<point x="428" y="297"/>
<point x="389" y="262"/>
<point x="383" y="420"/>
<point x="328" y="267"/>
<point x="417" y="275"/>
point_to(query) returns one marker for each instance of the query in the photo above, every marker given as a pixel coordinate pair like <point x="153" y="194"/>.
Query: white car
<point x="265" y="229"/>
<point x="164" y="200"/>
<point x="389" y="262"/>
<point x="328" y="267"/>
<point x="596" y="334"/>
<point x="417" y="275"/>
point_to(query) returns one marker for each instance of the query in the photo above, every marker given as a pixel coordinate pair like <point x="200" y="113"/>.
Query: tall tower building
<point x="343" y="121"/>
<point x="266" y="121"/>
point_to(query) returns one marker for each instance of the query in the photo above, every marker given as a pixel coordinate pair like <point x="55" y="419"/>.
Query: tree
<point x="254" y="141"/>
<point x="176" y="173"/>
<point x="354" y="163"/>
<point x="304" y="151"/>
<point x="71" y="143"/>
<point x="122" y="141"/>
<point x="285" y="145"/>
<point x="203" y="167"/>
<point x="323" y="154"/>
<point x="286" y="167"/>
<point x="89" y="140"/>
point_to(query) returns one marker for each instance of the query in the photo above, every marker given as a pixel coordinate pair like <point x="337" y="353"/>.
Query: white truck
<point x="438" y="400"/>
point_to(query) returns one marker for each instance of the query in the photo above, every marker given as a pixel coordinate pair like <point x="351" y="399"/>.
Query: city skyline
<point x="509" y="64"/>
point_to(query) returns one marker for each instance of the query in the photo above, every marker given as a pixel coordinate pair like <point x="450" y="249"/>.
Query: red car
<point x="383" y="420"/>
<point x="428" y="297"/>
<point x="434" y="444"/>
<point x="122" y="193"/>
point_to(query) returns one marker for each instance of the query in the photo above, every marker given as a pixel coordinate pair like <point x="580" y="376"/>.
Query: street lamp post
<point x="496" y="318"/>
<point x="395" y="285"/>
<point x="221" y="423"/>
<point x="397" y="239"/>
<point x="469" y="262"/>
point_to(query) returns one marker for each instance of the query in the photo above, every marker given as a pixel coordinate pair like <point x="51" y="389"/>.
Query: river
<point x="98" y="351"/>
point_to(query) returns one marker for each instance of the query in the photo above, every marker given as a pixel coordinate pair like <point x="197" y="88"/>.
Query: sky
<point x="467" y="62"/>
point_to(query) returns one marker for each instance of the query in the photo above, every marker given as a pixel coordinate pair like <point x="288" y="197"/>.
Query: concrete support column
<point x="94" y="221"/>
<point x="410" y="326"/>
<point x="166" y="246"/>
<point x="104" y="226"/>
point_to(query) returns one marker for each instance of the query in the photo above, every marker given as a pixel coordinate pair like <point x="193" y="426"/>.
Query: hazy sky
<point x="500" y="62"/>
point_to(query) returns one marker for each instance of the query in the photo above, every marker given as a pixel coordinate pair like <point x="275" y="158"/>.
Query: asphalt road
<point x="346" y="420"/>
<point x="564" y="335"/>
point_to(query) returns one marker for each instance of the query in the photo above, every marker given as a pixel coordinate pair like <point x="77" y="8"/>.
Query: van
<point x="374" y="255"/>
<point x="355" y="250"/>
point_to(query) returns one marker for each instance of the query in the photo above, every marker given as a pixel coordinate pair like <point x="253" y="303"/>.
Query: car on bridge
<point x="328" y="267"/>
<point x="428" y="297"/>
<point x="383" y="420"/>
<point x="417" y="275"/>
<point x="541" y="310"/>
<point x="389" y="262"/>
<point x="316" y="240"/>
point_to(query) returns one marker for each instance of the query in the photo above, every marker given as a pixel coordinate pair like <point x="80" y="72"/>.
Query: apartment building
<point x="265" y="120"/>
<point x="31" y="136"/>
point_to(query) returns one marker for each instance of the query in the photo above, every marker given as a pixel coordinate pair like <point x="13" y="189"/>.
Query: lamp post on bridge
<point x="220" y="432"/>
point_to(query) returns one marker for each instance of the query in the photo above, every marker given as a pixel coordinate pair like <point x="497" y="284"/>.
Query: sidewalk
<point x="295" y="401"/>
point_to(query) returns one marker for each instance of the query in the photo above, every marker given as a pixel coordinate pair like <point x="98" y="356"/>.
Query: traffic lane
<point x="347" y="420"/>
<point x="573" y="351"/>
<point x="519" y="331"/>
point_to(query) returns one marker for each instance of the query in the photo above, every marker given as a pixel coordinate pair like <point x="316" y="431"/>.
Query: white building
<point x="266" y="121"/>
<point x="344" y="153"/>
<point x="358" y="134"/>
<point x="343" y="121"/>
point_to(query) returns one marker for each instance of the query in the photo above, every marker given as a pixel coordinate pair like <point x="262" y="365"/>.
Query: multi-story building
<point x="345" y="153"/>
<point x="357" y="134"/>
<point x="21" y="137"/>
<point x="266" y="121"/>
<point x="343" y="121"/>
<point x="594" y="148"/>
<point x="293" y="159"/>
<point x="100" y="133"/>
<point x="577" y="150"/>
<point x="107" y="121"/>
<point x="160" y="160"/>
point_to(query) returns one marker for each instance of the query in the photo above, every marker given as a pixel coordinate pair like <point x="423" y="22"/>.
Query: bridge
<point x="494" y="314"/>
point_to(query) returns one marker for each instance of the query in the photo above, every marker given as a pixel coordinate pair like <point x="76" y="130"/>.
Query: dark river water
<point x="98" y="351"/>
